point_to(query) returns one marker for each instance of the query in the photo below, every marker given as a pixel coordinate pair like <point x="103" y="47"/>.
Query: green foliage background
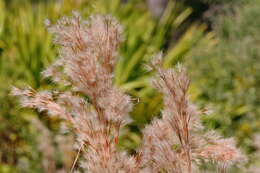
<point x="223" y="64"/>
<point x="227" y="74"/>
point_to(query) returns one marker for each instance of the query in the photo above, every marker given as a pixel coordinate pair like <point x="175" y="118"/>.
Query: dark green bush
<point x="228" y="73"/>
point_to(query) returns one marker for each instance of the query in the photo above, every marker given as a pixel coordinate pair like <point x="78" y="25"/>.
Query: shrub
<point x="227" y="73"/>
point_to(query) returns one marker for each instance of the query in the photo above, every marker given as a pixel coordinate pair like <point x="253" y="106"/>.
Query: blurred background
<point x="217" y="40"/>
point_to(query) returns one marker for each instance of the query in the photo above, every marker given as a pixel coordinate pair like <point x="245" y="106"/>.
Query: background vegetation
<point x="227" y="74"/>
<point x="218" y="41"/>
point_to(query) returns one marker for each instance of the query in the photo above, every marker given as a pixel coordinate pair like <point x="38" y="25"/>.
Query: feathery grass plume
<point x="47" y="148"/>
<point x="177" y="142"/>
<point x="87" y="55"/>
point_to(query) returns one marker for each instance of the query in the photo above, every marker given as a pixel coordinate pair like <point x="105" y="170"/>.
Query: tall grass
<point x="175" y="143"/>
<point x="25" y="49"/>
